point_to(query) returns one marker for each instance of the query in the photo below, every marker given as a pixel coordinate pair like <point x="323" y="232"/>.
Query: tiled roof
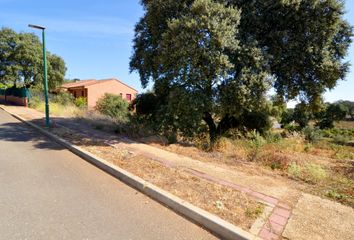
<point x="81" y="83"/>
<point x="85" y="83"/>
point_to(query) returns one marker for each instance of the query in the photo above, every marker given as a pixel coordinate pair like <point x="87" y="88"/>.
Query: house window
<point x="82" y="93"/>
<point x="129" y="97"/>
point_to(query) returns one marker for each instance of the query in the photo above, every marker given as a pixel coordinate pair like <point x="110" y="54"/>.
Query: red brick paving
<point x="277" y="221"/>
<point x="275" y="227"/>
<point x="268" y="235"/>
<point x="282" y="212"/>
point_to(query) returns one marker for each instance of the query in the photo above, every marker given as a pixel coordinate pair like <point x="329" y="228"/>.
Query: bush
<point x="311" y="134"/>
<point x="272" y="137"/>
<point x="325" y="123"/>
<point x="256" y="143"/>
<point x="64" y="98"/>
<point x="145" y="104"/>
<point x="81" y="102"/>
<point x="113" y="106"/>
<point x="259" y="121"/>
<point x="314" y="173"/>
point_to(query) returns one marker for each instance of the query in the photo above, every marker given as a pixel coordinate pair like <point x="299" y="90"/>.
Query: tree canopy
<point x="214" y="60"/>
<point x="21" y="61"/>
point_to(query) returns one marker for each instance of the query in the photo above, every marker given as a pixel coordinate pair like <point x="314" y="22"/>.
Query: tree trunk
<point x="212" y="128"/>
<point x="224" y="125"/>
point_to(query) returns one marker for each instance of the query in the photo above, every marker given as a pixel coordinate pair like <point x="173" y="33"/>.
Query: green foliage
<point x="258" y="121"/>
<point x="311" y="134"/>
<point x="80" y="102"/>
<point x="256" y="143"/>
<point x="330" y="133"/>
<point x="349" y="106"/>
<point x="302" y="114"/>
<point x="287" y="117"/>
<point x="113" y="106"/>
<point x="310" y="172"/>
<point x="341" y="139"/>
<point x="22" y="64"/>
<point x="63" y="98"/>
<point x="291" y="127"/>
<point x="271" y="137"/>
<point x="146" y="104"/>
<point x="332" y="113"/>
<point x="314" y="173"/>
<point x="220" y="61"/>
<point x="335" y="195"/>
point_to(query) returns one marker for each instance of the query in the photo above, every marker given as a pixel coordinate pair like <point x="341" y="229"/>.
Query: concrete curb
<point x="216" y="225"/>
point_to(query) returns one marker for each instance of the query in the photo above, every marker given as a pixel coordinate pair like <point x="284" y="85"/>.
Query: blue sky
<point x="95" y="37"/>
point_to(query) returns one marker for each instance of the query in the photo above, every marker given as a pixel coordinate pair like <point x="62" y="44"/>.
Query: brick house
<point x="93" y="90"/>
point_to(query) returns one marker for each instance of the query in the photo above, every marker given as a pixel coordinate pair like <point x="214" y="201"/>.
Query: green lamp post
<point x="47" y="122"/>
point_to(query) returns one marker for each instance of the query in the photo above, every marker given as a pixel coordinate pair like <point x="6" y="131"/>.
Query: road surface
<point x="46" y="192"/>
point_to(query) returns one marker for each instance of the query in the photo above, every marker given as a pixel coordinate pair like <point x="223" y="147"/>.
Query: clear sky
<point x="95" y="37"/>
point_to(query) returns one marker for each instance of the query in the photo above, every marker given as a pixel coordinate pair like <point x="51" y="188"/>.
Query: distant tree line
<point x="324" y="118"/>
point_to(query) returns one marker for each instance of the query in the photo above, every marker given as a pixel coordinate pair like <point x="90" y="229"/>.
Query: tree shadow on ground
<point x="19" y="132"/>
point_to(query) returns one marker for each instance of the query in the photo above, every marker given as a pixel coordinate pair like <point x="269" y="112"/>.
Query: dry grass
<point x="225" y="202"/>
<point x="60" y="110"/>
<point x="345" y="124"/>
<point x="325" y="169"/>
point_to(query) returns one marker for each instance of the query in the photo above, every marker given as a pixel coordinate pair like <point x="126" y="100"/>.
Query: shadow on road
<point x="19" y="132"/>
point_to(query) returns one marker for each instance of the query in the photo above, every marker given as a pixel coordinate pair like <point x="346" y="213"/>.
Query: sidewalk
<point x="280" y="194"/>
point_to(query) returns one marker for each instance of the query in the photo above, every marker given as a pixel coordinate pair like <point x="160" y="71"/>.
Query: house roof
<point x="89" y="82"/>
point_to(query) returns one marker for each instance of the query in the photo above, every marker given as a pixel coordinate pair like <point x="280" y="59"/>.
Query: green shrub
<point x="311" y="134"/>
<point x="146" y="104"/>
<point x="315" y="173"/>
<point x="113" y="106"/>
<point x="272" y="137"/>
<point x="259" y="121"/>
<point x="81" y="102"/>
<point x="64" y="98"/>
<point x="256" y="143"/>
<point x="325" y="123"/>
<point x="335" y="195"/>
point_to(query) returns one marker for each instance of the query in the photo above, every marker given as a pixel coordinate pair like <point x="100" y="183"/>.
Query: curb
<point x="216" y="225"/>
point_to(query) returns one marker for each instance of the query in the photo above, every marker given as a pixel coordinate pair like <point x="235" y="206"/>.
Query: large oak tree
<point x="213" y="61"/>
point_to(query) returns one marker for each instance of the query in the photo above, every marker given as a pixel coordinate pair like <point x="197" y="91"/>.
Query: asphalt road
<point x="46" y="192"/>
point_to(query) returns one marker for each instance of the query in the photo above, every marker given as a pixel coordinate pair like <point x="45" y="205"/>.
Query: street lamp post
<point x="45" y="73"/>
